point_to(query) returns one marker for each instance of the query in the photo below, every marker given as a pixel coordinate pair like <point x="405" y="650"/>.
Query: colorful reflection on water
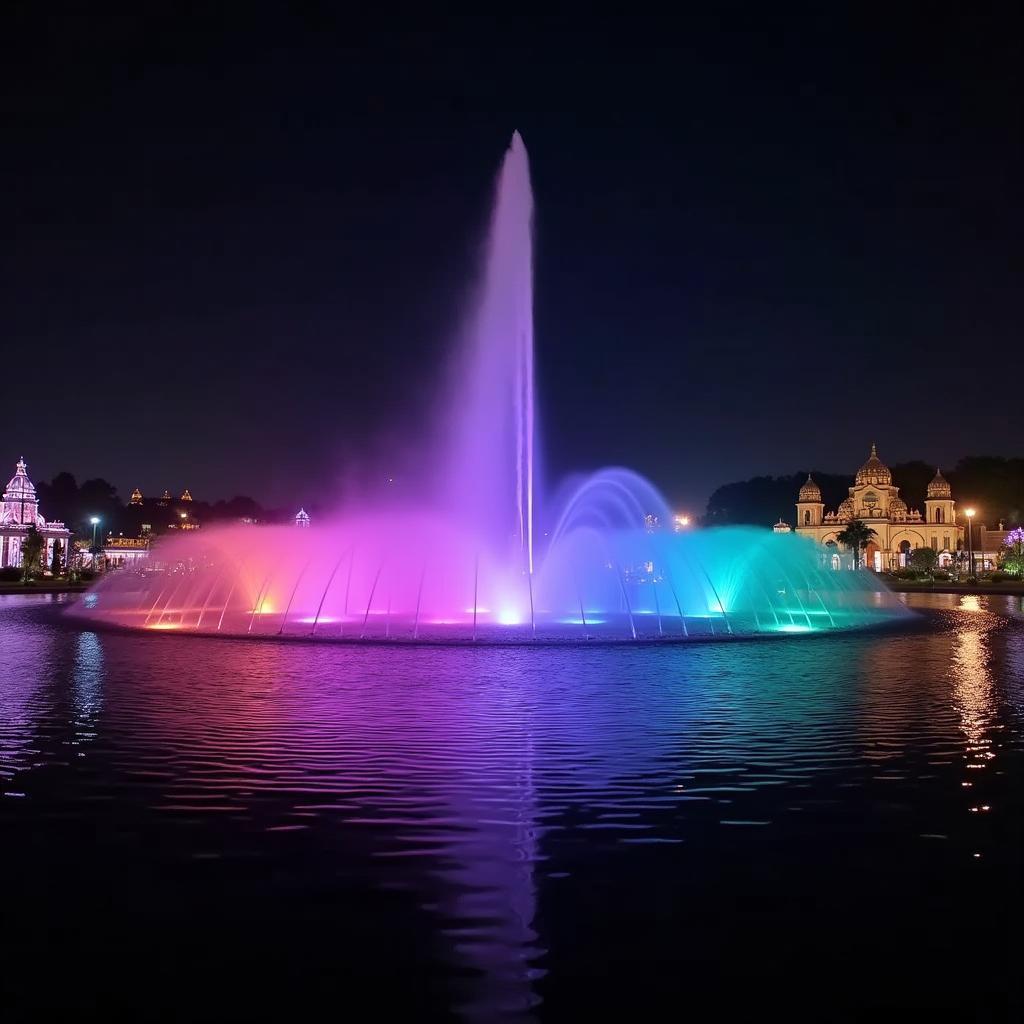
<point x="490" y="832"/>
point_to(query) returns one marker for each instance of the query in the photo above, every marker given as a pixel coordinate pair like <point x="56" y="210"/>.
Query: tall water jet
<point x="490" y="476"/>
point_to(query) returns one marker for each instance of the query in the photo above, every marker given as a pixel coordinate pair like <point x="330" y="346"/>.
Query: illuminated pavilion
<point x="876" y="501"/>
<point x="19" y="511"/>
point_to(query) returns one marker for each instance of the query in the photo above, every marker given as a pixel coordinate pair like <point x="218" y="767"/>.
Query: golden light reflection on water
<point x="972" y="678"/>
<point x="973" y="688"/>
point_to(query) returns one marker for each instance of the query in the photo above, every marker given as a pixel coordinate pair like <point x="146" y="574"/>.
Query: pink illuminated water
<point x="460" y="559"/>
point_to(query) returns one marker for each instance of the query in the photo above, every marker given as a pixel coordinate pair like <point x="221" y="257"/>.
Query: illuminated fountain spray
<point x="461" y="561"/>
<point x="490" y="477"/>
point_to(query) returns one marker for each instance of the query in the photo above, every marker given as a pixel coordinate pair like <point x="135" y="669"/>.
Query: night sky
<point x="237" y="248"/>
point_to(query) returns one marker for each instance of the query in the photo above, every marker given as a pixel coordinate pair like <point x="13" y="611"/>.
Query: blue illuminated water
<point x="221" y="829"/>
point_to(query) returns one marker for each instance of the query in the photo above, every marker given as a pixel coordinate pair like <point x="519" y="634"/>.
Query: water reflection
<point x="972" y="681"/>
<point x="973" y="694"/>
<point x="26" y="655"/>
<point x="482" y="785"/>
<point x="87" y="685"/>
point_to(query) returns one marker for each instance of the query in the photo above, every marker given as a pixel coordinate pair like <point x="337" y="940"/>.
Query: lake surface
<point x="200" y="828"/>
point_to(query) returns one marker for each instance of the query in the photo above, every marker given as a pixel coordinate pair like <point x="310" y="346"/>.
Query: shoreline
<point x="994" y="589"/>
<point x="43" y="588"/>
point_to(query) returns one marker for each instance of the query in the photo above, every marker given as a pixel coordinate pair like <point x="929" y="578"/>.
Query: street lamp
<point x="95" y="520"/>
<point x="969" y="512"/>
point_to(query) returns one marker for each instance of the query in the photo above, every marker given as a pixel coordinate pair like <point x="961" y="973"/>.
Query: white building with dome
<point x="876" y="501"/>
<point x="19" y="511"/>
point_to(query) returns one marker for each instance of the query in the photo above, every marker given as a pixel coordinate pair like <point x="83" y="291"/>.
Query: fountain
<point x="476" y="556"/>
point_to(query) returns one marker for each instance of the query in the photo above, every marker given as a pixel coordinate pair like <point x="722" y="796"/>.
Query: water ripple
<point x="488" y="782"/>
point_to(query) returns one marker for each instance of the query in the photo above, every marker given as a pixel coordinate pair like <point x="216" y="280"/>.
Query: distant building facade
<point x="121" y="552"/>
<point x="876" y="501"/>
<point x="167" y="512"/>
<point x="302" y="517"/>
<point x="19" y="511"/>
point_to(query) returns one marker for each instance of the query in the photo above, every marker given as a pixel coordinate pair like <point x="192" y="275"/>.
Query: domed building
<point x="19" y="511"/>
<point x="876" y="501"/>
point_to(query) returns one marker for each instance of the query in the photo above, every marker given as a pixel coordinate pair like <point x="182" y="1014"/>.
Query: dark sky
<point x="237" y="247"/>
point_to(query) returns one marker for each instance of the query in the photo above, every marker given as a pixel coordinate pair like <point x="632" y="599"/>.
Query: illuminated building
<point x="876" y="501"/>
<point x="169" y="512"/>
<point x="989" y="545"/>
<point x="19" y="511"/>
<point x="782" y="527"/>
<point x="125" y="551"/>
<point x="302" y="517"/>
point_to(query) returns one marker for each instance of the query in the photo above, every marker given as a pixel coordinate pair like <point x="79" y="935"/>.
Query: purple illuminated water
<point x="488" y="484"/>
<point x="469" y="557"/>
<point x="206" y="829"/>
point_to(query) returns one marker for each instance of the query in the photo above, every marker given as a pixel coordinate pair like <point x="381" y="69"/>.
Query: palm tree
<point x="857" y="536"/>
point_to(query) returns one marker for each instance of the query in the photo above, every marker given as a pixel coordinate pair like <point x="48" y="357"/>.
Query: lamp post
<point x="969" y="512"/>
<point x="95" y="520"/>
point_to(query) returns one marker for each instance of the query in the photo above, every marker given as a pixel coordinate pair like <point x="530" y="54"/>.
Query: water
<point x="221" y="829"/>
<point x="466" y="554"/>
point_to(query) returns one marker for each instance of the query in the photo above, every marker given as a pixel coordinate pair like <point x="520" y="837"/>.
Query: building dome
<point x="845" y="511"/>
<point x="19" y="487"/>
<point x="898" y="508"/>
<point x="810" y="490"/>
<point x="874" y="471"/>
<point x="939" y="486"/>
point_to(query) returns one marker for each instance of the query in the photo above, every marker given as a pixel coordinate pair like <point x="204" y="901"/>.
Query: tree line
<point x="75" y="504"/>
<point x="993" y="485"/>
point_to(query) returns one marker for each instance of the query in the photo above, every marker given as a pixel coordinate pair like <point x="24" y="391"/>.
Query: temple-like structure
<point x="875" y="501"/>
<point x="19" y="511"/>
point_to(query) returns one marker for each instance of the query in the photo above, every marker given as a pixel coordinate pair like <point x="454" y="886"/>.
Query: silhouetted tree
<point x="762" y="499"/>
<point x="912" y="478"/>
<point x="55" y="566"/>
<point x="58" y="499"/>
<point x="924" y="559"/>
<point x="995" y="486"/>
<point x="98" y="497"/>
<point x="31" y="553"/>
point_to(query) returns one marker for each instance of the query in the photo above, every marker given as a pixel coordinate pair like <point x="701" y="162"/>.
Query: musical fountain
<point x="476" y="555"/>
